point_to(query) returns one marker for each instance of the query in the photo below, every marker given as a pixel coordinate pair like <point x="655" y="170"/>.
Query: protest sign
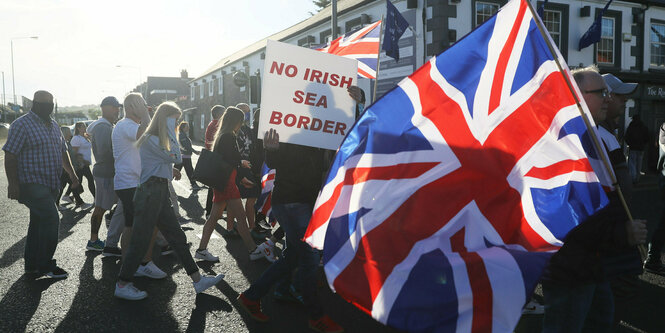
<point x="304" y="95"/>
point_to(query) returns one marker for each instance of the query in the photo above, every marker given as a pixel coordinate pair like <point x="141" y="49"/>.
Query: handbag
<point x="212" y="170"/>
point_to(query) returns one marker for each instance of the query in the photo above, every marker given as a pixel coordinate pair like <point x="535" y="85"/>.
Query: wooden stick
<point x="378" y="60"/>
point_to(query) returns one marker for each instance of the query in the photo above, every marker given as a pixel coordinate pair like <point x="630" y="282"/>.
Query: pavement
<point x="84" y="301"/>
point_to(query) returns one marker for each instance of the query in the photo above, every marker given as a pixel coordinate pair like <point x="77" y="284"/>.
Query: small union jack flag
<point x="448" y="196"/>
<point x="263" y="203"/>
<point x="362" y="45"/>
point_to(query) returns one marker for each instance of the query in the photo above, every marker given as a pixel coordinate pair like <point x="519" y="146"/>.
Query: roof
<point x="317" y="19"/>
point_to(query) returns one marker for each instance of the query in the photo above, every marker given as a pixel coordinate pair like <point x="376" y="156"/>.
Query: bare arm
<point x="11" y="169"/>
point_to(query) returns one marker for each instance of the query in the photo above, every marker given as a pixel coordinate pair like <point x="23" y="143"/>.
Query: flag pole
<point x="592" y="134"/>
<point x="378" y="60"/>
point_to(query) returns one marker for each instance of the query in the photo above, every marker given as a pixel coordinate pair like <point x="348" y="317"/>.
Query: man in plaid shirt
<point x="35" y="154"/>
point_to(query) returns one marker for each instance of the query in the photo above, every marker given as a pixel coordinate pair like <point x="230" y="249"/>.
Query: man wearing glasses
<point x="576" y="286"/>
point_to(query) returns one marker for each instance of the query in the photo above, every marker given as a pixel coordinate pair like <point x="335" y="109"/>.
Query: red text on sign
<point x="310" y="98"/>
<point x="304" y="122"/>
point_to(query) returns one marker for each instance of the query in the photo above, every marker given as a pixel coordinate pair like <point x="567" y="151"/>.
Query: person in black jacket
<point x="575" y="284"/>
<point x="225" y="144"/>
<point x="298" y="178"/>
<point x="637" y="138"/>
<point x="187" y="151"/>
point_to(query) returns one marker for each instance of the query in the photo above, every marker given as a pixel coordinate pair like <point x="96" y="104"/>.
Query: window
<point x="605" y="48"/>
<point x="484" y="10"/>
<point x="307" y="41"/>
<point x="203" y="121"/>
<point x="192" y="93"/>
<point x="202" y="89"/>
<point x="608" y="50"/>
<point x="657" y="44"/>
<point x="220" y="86"/>
<point x="211" y="88"/>
<point x="555" y="19"/>
<point x="552" y="21"/>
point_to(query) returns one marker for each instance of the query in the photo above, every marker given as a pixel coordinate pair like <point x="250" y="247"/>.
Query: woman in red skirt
<point x="225" y="144"/>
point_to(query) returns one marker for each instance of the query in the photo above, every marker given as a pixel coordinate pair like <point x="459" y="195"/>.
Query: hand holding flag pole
<point x="599" y="148"/>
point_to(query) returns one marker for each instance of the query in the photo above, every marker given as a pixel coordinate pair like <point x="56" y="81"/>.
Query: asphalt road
<point x="85" y="302"/>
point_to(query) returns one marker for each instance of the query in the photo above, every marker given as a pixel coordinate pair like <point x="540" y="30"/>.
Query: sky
<point x="81" y="43"/>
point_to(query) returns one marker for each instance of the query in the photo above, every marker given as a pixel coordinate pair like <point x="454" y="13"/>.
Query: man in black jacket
<point x="298" y="178"/>
<point x="575" y="283"/>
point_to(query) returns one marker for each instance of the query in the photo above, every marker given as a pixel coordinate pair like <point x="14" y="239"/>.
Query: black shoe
<point x="57" y="273"/>
<point x="655" y="267"/>
<point x="166" y="250"/>
<point x="111" y="251"/>
<point x="257" y="235"/>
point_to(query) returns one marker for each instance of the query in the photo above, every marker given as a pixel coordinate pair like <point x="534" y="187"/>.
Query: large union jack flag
<point x="450" y="193"/>
<point x="362" y="45"/>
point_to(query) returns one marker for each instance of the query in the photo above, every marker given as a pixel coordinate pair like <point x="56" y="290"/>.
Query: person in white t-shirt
<point x="83" y="154"/>
<point x="128" y="172"/>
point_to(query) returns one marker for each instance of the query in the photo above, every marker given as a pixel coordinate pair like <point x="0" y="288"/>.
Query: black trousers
<point x="187" y="163"/>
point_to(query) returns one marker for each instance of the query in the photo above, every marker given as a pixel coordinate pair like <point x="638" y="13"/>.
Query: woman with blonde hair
<point x="159" y="150"/>
<point x="225" y="144"/>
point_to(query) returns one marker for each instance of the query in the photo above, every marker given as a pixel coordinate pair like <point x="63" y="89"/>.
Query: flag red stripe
<point x="360" y="175"/>
<point x="504" y="57"/>
<point x="480" y="284"/>
<point x="560" y="168"/>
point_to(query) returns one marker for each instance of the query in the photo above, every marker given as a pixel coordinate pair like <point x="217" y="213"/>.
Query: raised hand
<point x="271" y="140"/>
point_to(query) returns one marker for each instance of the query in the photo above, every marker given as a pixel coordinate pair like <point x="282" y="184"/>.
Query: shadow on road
<point x="192" y="206"/>
<point x="204" y="304"/>
<point x="21" y="301"/>
<point x="68" y="219"/>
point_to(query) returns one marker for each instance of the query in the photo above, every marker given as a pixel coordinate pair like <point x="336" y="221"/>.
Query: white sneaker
<point x="205" y="255"/>
<point x="268" y="250"/>
<point x="256" y="254"/>
<point x="150" y="270"/>
<point x="206" y="282"/>
<point x="62" y="208"/>
<point x="129" y="292"/>
<point x="533" y="307"/>
<point x="67" y="199"/>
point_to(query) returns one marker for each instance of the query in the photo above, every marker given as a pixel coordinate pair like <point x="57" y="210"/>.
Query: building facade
<point x="632" y="47"/>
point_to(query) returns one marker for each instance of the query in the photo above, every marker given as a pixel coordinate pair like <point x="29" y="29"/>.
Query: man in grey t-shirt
<point x="103" y="172"/>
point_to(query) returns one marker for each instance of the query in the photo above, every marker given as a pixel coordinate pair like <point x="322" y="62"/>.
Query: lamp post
<point x="140" y="76"/>
<point x="13" y="75"/>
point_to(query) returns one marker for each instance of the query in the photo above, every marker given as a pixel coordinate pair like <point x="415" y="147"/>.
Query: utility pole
<point x="334" y="20"/>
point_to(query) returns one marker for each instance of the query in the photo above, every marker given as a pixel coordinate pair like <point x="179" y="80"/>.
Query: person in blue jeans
<point x="298" y="177"/>
<point x="35" y="154"/>
<point x="159" y="150"/>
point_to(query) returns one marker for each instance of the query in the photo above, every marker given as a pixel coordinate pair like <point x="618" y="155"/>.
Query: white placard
<point x="304" y="95"/>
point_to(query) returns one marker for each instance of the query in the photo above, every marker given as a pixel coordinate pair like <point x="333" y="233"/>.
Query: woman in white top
<point x="82" y="149"/>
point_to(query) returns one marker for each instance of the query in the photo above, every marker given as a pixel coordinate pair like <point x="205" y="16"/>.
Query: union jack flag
<point x="263" y="203"/>
<point x="448" y="196"/>
<point x="362" y="45"/>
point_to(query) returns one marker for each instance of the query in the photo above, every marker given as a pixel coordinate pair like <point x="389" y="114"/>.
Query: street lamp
<point x="140" y="75"/>
<point x="12" y="50"/>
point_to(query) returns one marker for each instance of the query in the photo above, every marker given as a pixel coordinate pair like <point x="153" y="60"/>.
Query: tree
<point x="321" y="4"/>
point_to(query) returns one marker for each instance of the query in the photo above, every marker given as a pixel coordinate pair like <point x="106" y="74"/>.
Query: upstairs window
<point x="657" y="45"/>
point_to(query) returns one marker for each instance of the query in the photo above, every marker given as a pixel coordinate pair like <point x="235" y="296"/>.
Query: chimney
<point x="183" y="74"/>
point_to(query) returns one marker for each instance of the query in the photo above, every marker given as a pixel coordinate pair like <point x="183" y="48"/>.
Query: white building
<point x="632" y="47"/>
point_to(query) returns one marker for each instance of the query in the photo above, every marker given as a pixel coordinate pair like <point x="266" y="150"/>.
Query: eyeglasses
<point x="603" y="92"/>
